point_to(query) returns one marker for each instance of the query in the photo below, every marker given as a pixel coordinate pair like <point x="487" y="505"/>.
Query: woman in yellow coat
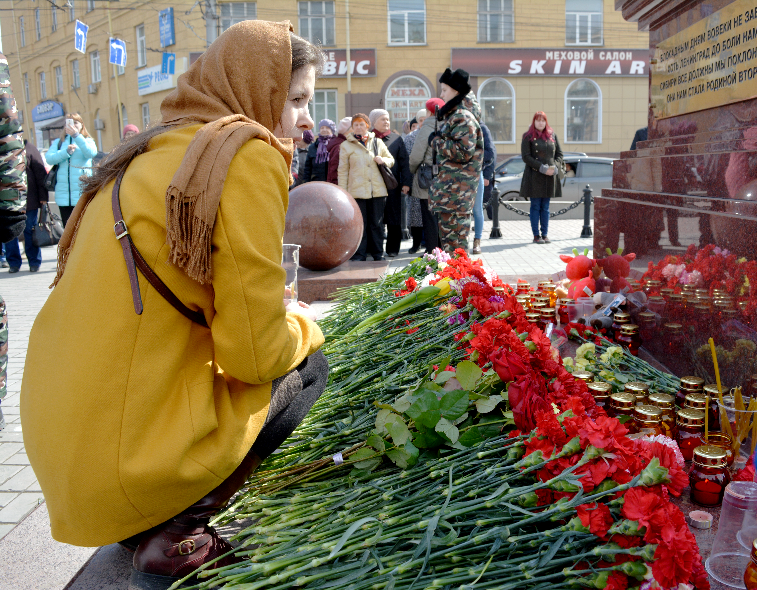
<point x="139" y="426"/>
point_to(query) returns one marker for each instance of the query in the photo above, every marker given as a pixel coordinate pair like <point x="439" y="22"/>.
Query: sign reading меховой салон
<point x="576" y="62"/>
<point x="711" y="63"/>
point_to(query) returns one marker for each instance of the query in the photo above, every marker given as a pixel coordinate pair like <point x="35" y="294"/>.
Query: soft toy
<point x="581" y="272"/>
<point x="617" y="267"/>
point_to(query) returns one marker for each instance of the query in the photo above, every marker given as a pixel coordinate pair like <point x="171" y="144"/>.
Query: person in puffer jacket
<point x="459" y="146"/>
<point x="73" y="153"/>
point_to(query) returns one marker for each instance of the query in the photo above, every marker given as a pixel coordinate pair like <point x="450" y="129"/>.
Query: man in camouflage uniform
<point x="459" y="147"/>
<point x="12" y="195"/>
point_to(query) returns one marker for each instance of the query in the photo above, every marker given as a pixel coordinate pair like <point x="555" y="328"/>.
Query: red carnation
<point x="617" y="581"/>
<point x="596" y="517"/>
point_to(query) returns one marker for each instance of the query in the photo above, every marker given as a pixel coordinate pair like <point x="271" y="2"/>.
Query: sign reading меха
<point x="362" y="63"/>
<point x="150" y="80"/>
<point x="551" y="62"/>
<point x="711" y="63"/>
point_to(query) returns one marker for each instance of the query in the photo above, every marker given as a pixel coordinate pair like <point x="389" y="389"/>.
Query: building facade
<point x="577" y="60"/>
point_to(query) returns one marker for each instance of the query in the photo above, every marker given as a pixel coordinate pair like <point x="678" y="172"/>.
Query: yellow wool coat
<point x="358" y="173"/>
<point x="130" y="419"/>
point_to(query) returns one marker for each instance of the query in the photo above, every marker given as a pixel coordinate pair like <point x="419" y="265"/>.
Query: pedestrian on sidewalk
<point x="490" y="155"/>
<point x="381" y="128"/>
<point x="317" y="161"/>
<point x="414" y="215"/>
<point x="541" y="152"/>
<point x="300" y="155"/>
<point x="459" y="146"/>
<point x="144" y="444"/>
<point x="73" y="153"/>
<point x="341" y="134"/>
<point x="36" y="197"/>
<point x="359" y="157"/>
<point x="129" y="130"/>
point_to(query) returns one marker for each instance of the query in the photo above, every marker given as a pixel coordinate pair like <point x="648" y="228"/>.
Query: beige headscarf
<point x="237" y="89"/>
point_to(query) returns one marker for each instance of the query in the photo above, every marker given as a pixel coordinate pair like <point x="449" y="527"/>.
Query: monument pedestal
<point x="319" y="285"/>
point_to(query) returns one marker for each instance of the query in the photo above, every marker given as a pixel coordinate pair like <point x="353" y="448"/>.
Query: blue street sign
<point x="117" y="52"/>
<point x="80" y="36"/>
<point x="169" y="63"/>
<point x="167" y="31"/>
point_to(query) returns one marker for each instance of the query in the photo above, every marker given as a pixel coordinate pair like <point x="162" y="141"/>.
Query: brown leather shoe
<point x="176" y="550"/>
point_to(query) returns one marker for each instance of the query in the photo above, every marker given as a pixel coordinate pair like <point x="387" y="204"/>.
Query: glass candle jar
<point x="543" y="283"/>
<point x="524" y="300"/>
<point x="672" y="335"/>
<point x="666" y="403"/>
<point x="711" y="389"/>
<point x="697" y="401"/>
<point x="751" y="386"/>
<point x="618" y="320"/>
<point x="648" y="420"/>
<point x="533" y="317"/>
<point x="723" y="441"/>
<point x="652" y="287"/>
<point x="547" y="315"/>
<point x="629" y="338"/>
<point x="675" y="307"/>
<point x="523" y="288"/>
<point x="584" y="376"/>
<point x="601" y="392"/>
<point x="657" y="304"/>
<point x="621" y="407"/>
<point x="708" y="476"/>
<point x="562" y="311"/>
<point x="539" y="301"/>
<point x="639" y="390"/>
<point x="666" y="292"/>
<point x="750" y="575"/>
<point x="689" y="384"/>
<point x="549" y="290"/>
<point x="647" y="325"/>
<point x="689" y="431"/>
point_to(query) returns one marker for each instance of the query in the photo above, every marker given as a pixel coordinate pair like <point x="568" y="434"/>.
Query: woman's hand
<point x="378" y="160"/>
<point x="72" y="131"/>
<point x="71" y="149"/>
<point x="302" y="309"/>
<point x="550" y="171"/>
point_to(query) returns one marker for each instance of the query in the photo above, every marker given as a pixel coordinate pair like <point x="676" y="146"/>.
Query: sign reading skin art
<point x="711" y="63"/>
<point x="151" y="80"/>
<point x="362" y="63"/>
<point x="551" y="62"/>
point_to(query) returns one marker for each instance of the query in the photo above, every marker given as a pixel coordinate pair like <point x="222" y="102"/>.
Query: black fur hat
<point x="457" y="80"/>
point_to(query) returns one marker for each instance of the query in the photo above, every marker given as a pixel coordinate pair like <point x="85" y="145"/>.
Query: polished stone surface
<point x="326" y="221"/>
<point x="320" y="285"/>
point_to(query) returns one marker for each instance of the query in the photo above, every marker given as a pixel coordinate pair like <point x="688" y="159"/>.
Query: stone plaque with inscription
<point x="711" y="63"/>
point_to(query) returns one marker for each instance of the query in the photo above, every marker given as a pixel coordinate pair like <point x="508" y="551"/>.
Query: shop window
<point x="323" y="106"/>
<point x="317" y="22"/>
<point x="404" y="98"/>
<point x="90" y="5"/>
<point x="583" y="112"/>
<point x="497" y="99"/>
<point x="72" y="11"/>
<point x="495" y="21"/>
<point x="145" y="115"/>
<point x="55" y="20"/>
<point x="124" y="117"/>
<point x="22" y="31"/>
<point x="37" y="24"/>
<point x="94" y="62"/>
<point x="236" y="12"/>
<point x="58" y="79"/>
<point x="583" y="22"/>
<point x="75" y="79"/>
<point x="407" y="22"/>
<point x="42" y="86"/>
<point x="27" y="97"/>
<point x="141" y="46"/>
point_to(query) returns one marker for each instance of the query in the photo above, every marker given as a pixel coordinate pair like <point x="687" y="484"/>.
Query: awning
<point x="59" y="122"/>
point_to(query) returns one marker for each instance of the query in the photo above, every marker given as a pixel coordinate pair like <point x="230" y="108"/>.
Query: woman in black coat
<point x="541" y="178"/>
<point x="317" y="162"/>
<point x="401" y="170"/>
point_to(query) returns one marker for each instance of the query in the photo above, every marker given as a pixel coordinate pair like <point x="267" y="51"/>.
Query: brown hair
<point x="362" y="116"/>
<point x="75" y="117"/>
<point x="304" y="54"/>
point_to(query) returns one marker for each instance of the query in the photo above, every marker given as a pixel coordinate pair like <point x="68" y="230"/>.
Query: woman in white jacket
<point x="359" y="157"/>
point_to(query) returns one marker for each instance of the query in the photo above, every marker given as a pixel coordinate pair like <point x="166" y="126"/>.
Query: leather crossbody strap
<point x="134" y="259"/>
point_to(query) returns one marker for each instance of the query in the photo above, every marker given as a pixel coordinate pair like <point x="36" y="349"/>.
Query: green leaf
<point x="443" y="376"/>
<point x="381" y="419"/>
<point x="447" y="429"/>
<point x="404" y="456"/>
<point x="383" y="406"/>
<point x="484" y="406"/>
<point x="622" y="378"/>
<point x="403" y="403"/>
<point x="427" y="439"/>
<point x="442" y="363"/>
<point x="490" y="425"/>
<point x="349" y="532"/>
<point x="376" y="442"/>
<point x="471" y="437"/>
<point x="398" y="431"/>
<point x="454" y="404"/>
<point x="468" y="374"/>
<point x="425" y="409"/>
<point x="365" y="459"/>
<point x="461" y="419"/>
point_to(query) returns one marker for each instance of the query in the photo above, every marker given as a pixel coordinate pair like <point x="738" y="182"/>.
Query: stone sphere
<point x="326" y="221"/>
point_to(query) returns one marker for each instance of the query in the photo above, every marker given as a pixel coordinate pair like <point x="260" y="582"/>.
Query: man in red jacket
<point x="334" y="145"/>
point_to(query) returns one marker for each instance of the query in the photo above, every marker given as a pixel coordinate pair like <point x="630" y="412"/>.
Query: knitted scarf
<point x="322" y="150"/>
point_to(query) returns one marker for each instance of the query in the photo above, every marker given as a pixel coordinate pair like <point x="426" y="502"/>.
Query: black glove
<point x="432" y="136"/>
<point x="12" y="224"/>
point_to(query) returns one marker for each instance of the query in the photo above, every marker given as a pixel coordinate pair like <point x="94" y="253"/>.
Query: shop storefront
<point x="48" y="118"/>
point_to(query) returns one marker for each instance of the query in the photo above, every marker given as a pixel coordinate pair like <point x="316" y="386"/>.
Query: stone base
<point x="319" y="285"/>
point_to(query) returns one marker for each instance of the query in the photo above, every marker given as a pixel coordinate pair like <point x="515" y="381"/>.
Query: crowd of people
<point x="442" y="163"/>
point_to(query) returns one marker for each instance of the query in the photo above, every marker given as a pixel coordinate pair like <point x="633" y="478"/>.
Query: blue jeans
<point x="539" y="211"/>
<point x="478" y="209"/>
<point x="33" y="253"/>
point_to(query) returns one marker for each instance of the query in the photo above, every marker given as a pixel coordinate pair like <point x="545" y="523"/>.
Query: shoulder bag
<point x="389" y="180"/>
<point x="52" y="175"/>
<point x="426" y="172"/>
<point x="48" y="229"/>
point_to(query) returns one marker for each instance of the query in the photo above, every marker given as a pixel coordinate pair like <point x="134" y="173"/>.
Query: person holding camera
<point x="73" y="153"/>
<point x="543" y="157"/>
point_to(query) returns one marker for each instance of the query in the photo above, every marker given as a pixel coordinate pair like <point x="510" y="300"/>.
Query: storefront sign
<point x="551" y="62"/>
<point x="150" y="80"/>
<point x="47" y="110"/>
<point x="362" y="63"/>
<point x="711" y="63"/>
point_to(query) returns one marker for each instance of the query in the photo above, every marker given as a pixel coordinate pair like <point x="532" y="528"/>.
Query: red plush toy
<point x="581" y="270"/>
<point x="617" y="267"/>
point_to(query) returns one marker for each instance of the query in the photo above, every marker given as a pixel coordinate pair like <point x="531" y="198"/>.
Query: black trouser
<point x="373" y="227"/>
<point x="430" y="226"/>
<point x="65" y="213"/>
<point x="393" y="239"/>
<point x="417" y="233"/>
